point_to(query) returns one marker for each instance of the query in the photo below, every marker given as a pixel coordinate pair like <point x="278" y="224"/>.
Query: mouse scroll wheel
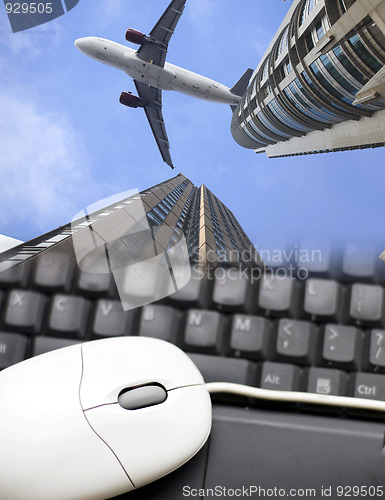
<point x="143" y="396"/>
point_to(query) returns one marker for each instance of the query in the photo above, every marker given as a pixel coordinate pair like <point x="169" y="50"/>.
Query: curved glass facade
<point x="298" y="88"/>
<point x="307" y="10"/>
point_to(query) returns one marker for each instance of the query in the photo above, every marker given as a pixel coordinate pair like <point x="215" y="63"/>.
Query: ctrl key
<point x="369" y="386"/>
<point x="12" y="349"/>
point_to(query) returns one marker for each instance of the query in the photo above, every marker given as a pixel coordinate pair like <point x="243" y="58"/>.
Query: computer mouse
<point x="95" y="420"/>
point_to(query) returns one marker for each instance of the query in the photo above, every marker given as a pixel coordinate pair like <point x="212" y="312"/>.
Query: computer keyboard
<point x="324" y="334"/>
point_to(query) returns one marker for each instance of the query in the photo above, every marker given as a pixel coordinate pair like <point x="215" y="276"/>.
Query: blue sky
<point x="66" y="142"/>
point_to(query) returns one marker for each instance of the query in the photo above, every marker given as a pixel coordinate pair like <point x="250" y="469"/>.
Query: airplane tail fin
<point x="241" y="86"/>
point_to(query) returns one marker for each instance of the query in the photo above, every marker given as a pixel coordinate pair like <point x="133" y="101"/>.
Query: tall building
<point x="156" y="217"/>
<point x="320" y="86"/>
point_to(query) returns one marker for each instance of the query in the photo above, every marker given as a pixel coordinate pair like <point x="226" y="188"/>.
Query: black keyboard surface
<point x="324" y="334"/>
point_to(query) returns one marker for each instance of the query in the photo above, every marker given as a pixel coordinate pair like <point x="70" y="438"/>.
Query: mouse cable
<point x="295" y="397"/>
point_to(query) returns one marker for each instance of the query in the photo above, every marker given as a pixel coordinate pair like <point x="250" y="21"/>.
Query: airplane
<point x="152" y="74"/>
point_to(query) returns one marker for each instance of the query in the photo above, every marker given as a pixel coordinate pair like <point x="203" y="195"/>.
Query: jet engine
<point x="130" y="100"/>
<point x="136" y="37"/>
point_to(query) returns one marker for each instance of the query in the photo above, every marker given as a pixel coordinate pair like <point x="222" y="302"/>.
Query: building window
<point x="309" y="42"/>
<point x="327" y="86"/>
<point x="319" y="30"/>
<point x="317" y="107"/>
<point x="318" y="93"/>
<point x="333" y="71"/>
<point x="261" y="116"/>
<point x="284" y="43"/>
<point x="364" y="54"/>
<point x="346" y="63"/>
<point x="287" y="66"/>
<point x="276" y="109"/>
<point x="294" y="96"/>
<point x="265" y="70"/>
<point x="307" y="8"/>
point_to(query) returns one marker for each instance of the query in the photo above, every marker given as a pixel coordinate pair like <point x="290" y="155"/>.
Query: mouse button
<point x="44" y="431"/>
<point x="111" y="365"/>
<point x="40" y="461"/>
<point x="44" y="383"/>
<point x="136" y="398"/>
<point x="40" y="396"/>
<point x="152" y="442"/>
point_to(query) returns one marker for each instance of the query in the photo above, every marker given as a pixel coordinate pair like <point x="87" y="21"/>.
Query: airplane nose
<point x="81" y="44"/>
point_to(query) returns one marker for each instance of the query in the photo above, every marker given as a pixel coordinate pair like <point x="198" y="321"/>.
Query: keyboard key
<point x="160" y="322"/>
<point x="249" y="337"/>
<point x="377" y="348"/>
<point x="278" y="254"/>
<point x="68" y="315"/>
<point x="204" y="332"/>
<point x="317" y="258"/>
<point x="280" y="377"/>
<point x="42" y="345"/>
<point x="16" y="276"/>
<point x="12" y="349"/>
<point x="326" y="381"/>
<point x="369" y="386"/>
<point x="359" y="262"/>
<point x="342" y="346"/>
<point x="144" y="282"/>
<point x="322" y="299"/>
<point x="219" y="369"/>
<point x="277" y="296"/>
<point x="24" y="310"/>
<point x="53" y="270"/>
<point x="233" y="292"/>
<point x="367" y="304"/>
<point x="296" y="341"/>
<point x="111" y="321"/>
<point x="94" y="283"/>
<point x="197" y="293"/>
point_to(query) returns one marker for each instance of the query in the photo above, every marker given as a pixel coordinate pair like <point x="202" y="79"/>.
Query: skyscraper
<point x="213" y="235"/>
<point x="320" y="86"/>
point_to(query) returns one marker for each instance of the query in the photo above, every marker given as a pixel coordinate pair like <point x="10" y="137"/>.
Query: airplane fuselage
<point x="168" y="78"/>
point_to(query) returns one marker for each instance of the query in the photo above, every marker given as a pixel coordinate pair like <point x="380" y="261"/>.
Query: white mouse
<point x="95" y="420"/>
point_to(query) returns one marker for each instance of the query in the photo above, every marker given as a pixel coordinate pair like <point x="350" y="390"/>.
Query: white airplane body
<point x="152" y="74"/>
<point x="169" y="77"/>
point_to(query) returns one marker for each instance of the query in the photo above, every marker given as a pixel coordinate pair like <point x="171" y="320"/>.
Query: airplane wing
<point x="153" y="109"/>
<point x="156" y="51"/>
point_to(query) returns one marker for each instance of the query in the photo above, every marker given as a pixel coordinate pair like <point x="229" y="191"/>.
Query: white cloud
<point x="21" y="42"/>
<point x="44" y="168"/>
<point x="202" y="9"/>
<point x="33" y="41"/>
<point x="109" y="11"/>
<point x="112" y="7"/>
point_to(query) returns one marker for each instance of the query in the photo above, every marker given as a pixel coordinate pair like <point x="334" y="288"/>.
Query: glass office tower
<point x="157" y="216"/>
<point x="321" y="85"/>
